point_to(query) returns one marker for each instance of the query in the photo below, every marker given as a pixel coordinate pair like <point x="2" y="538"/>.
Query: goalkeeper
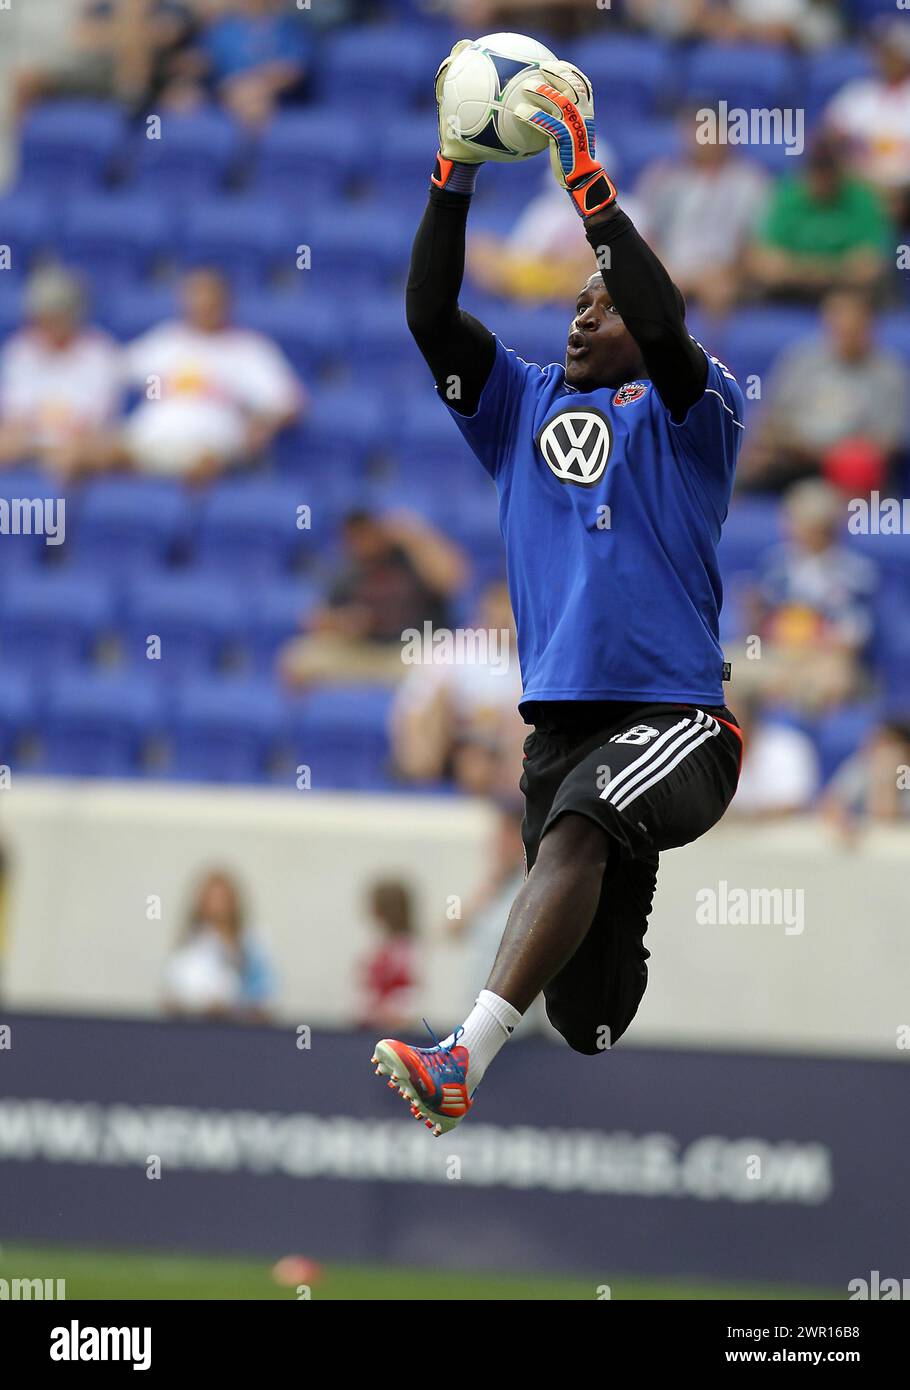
<point x="614" y="473"/>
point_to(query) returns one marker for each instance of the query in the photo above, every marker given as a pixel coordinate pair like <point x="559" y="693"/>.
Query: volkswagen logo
<point x="576" y="445"/>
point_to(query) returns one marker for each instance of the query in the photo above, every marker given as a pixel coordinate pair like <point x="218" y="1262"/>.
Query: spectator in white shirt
<point x="215" y="395"/>
<point x="780" y="773"/>
<point x="59" y="382"/>
<point x="872" y="115"/>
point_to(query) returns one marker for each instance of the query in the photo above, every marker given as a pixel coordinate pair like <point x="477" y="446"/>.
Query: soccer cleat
<point x="433" y="1080"/>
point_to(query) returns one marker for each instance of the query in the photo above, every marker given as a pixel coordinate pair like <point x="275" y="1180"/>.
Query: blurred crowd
<point x="197" y="397"/>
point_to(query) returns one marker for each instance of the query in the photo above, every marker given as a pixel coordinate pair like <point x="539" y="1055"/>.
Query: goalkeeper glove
<point x="562" y="106"/>
<point x="454" y="155"/>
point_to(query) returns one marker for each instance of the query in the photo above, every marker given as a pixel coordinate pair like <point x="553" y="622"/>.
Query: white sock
<point x="490" y="1023"/>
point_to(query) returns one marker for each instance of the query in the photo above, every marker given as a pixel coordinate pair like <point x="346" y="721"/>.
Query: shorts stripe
<point x="692" y="732"/>
<point x="683" y="753"/>
<point x="643" y="758"/>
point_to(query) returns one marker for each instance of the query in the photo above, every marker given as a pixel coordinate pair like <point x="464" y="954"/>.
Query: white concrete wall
<point x="86" y="856"/>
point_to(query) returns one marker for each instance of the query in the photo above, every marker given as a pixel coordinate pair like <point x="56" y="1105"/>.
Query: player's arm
<point x="456" y="346"/>
<point x="636" y="281"/>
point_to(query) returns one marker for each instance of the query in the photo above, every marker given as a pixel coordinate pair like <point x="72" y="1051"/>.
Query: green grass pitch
<point x="112" y="1275"/>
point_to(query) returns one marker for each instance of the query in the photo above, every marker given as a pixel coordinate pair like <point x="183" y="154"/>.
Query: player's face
<point x="601" y="351"/>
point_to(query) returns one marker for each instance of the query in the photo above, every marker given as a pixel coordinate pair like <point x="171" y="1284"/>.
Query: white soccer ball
<point x="483" y="84"/>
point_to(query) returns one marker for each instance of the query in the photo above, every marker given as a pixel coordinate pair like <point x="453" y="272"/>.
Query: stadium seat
<point x="194" y="157"/>
<point x="130" y="309"/>
<point x="829" y="69"/>
<point x="12" y="304"/>
<point x="251" y="527"/>
<point x="70" y="144"/>
<point x="199" y="618"/>
<point x="753" y="527"/>
<point x="18" y="713"/>
<point x="26" y="228"/>
<point x="278" y="612"/>
<point x="749" y="76"/>
<point x="349" y="250"/>
<point x="839" y="733"/>
<point x="127" y="525"/>
<point x="341" y="734"/>
<point x="291" y="164"/>
<point x="98" y="723"/>
<point x="226" y="730"/>
<point x="121" y="236"/>
<point x="381" y="66"/>
<point x="48" y="619"/>
<point x="630" y="73"/>
<point x="304" y="325"/>
<point x="343" y="428"/>
<point x="644" y="141"/>
<point x="249" y="238"/>
<point x="754" y="339"/>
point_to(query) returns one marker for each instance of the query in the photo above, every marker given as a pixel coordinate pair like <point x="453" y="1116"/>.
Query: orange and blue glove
<point x="562" y="106"/>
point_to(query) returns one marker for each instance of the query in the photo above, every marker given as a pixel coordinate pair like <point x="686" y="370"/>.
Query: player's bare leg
<point x="549" y="920"/>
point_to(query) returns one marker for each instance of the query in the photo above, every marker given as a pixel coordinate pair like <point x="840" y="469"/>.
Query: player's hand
<point x="452" y="149"/>
<point x="562" y="106"/>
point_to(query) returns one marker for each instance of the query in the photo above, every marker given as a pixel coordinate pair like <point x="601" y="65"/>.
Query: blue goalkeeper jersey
<point x="611" y="516"/>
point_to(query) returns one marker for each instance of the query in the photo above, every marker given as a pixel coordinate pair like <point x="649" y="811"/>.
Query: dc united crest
<point x="576" y="446"/>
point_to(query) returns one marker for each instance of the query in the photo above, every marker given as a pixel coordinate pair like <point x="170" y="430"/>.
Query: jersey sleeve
<point x="711" y="434"/>
<point x="492" y="430"/>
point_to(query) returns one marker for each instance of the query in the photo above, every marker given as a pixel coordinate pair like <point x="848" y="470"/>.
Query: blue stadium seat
<point x="754" y="338"/>
<point x="278" y="612"/>
<point x="97" y="723"/>
<point x="401" y="161"/>
<point x="199" y="618"/>
<point x="304" y="325"/>
<point x="341" y="734"/>
<point x="250" y="527"/>
<point x="226" y="730"/>
<point x="130" y="309"/>
<point x="893" y="331"/>
<point x="644" y="141"/>
<point x="193" y="158"/>
<point x="50" y="619"/>
<point x="349" y="250"/>
<point x="249" y="238"/>
<point x="26" y="228"/>
<point x="12" y="305"/>
<point x="24" y="548"/>
<point x="753" y="527"/>
<point x="838" y="734"/>
<point x="745" y="75"/>
<point x="70" y="144"/>
<point x="127" y="525"/>
<point x="630" y="73"/>
<point x="303" y="155"/>
<point x="829" y="69"/>
<point x="381" y="66"/>
<point x="18" y="713"/>
<point x="343" y="427"/>
<point x="121" y="236"/>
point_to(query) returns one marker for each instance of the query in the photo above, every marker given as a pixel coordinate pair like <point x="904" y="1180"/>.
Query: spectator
<point x="256" y="55"/>
<point x="813" y="608"/>
<point x="461" y="720"/>
<point x="544" y="257"/>
<point x="874" y="783"/>
<point x="826" y="394"/>
<point x="698" y="213"/>
<point x="59" y="382"/>
<point x="824" y="229"/>
<point x="217" y="971"/>
<point x="780" y="772"/>
<point x="799" y="23"/>
<point x="388" y="975"/>
<point x="215" y="395"/>
<point x="124" y="50"/>
<point x="872" y="114"/>
<point x="398" y="574"/>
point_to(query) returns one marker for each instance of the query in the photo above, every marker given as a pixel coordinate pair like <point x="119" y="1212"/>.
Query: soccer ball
<point x="482" y="86"/>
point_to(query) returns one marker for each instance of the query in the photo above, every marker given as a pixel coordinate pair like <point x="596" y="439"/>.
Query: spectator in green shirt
<point x="823" y="229"/>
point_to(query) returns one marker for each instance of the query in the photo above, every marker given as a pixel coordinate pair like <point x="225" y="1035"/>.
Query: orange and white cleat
<point x="433" y="1080"/>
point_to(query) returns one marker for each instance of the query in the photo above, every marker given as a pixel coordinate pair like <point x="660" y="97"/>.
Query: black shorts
<point x="654" y="777"/>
